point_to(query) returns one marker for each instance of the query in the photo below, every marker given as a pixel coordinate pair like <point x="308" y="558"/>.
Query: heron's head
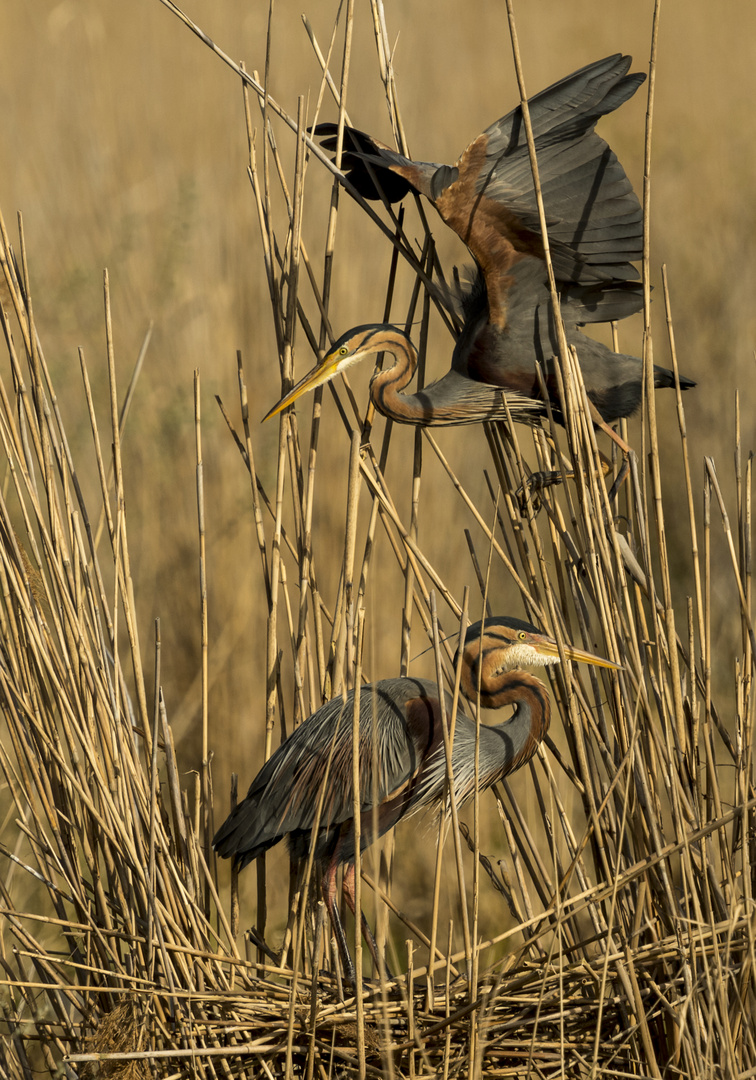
<point x="351" y="347"/>
<point x="500" y="644"/>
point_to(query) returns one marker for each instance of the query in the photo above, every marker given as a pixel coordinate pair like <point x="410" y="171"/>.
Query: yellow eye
<point x="522" y="635"/>
<point x="343" y="351"/>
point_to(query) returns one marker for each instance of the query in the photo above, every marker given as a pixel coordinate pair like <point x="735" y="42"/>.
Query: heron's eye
<point x="522" y="635"/>
<point x="343" y="351"/>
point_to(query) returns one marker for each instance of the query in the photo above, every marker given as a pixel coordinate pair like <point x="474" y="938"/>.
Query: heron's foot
<point x="619" y="479"/>
<point x="532" y="489"/>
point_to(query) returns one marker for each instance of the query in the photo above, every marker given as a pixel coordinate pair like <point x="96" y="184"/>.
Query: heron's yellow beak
<point x="548" y="647"/>
<point x="321" y="373"/>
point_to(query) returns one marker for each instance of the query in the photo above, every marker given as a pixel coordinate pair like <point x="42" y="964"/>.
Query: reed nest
<point x="603" y="925"/>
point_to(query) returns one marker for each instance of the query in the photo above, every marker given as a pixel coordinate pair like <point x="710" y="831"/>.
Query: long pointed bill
<point x="549" y="648"/>
<point x="320" y="374"/>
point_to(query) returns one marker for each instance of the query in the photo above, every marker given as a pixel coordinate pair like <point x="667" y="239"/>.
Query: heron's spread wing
<point x="594" y="219"/>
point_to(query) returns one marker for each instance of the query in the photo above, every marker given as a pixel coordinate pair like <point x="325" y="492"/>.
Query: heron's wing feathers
<point x="284" y="796"/>
<point x="599" y="303"/>
<point x="375" y="170"/>
<point x="593" y="217"/>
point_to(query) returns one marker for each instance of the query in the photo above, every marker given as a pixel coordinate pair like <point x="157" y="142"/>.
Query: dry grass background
<point x="125" y="147"/>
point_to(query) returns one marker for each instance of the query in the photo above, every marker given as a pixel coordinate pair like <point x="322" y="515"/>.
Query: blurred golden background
<point x="124" y="146"/>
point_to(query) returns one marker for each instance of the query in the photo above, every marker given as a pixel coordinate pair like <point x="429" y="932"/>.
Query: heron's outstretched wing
<point x="594" y="219"/>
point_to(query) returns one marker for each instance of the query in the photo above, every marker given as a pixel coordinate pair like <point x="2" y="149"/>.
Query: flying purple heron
<point x="402" y="758"/>
<point x="595" y="230"/>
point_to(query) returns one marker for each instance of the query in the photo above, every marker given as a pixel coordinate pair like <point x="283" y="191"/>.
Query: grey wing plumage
<point x="283" y="797"/>
<point x="597" y="303"/>
<point x="594" y="218"/>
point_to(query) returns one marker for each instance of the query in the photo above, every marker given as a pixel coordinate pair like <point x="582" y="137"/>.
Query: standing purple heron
<point x="402" y="758"/>
<point x="595" y="230"/>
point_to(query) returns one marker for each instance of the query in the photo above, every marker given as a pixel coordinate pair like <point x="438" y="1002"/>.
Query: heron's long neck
<point x="532" y="713"/>
<point x="386" y="385"/>
<point x="503" y="747"/>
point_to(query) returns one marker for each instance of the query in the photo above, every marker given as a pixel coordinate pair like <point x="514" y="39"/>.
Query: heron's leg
<point x="537" y="482"/>
<point x="620" y="479"/>
<point x="347" y="886"/>
<point x="599" y="421"/>
<point x="534" y="487"/>
<point x="329" y="897"/>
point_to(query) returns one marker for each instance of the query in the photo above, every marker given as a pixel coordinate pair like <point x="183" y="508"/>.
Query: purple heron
<point x="595" y="230"/>
<point x="402" y="758"/>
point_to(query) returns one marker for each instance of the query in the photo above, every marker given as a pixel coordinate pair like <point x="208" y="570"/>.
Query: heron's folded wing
<point x="285" y="795"/>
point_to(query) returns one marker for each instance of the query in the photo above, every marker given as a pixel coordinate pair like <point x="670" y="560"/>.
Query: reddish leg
<point x="347" y="887"/>
<point x="599" y="421"/>
<point x="329" y="897"/>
